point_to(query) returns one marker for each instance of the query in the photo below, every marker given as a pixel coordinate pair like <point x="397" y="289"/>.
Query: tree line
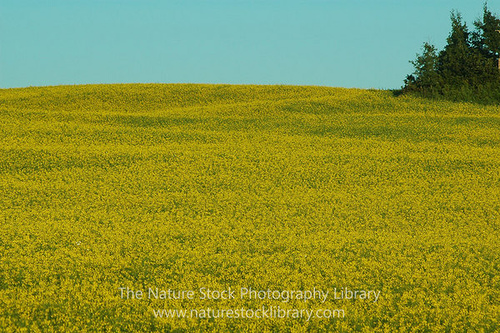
<point x="466" y="69"/>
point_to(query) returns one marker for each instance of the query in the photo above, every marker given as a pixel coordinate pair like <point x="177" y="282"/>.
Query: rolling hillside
<point x="274" y="188"/>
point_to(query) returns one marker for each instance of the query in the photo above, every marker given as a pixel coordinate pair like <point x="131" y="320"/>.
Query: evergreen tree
<point x="466" y="68"/>
<point x="425" y="78"/>
<point x="459" y="63"/>
<point x="487" y="37"/>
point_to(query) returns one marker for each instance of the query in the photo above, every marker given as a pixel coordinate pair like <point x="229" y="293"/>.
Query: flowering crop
<point x="108" y="190"/>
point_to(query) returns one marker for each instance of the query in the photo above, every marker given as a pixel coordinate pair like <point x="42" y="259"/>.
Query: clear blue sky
<point x="341" y="43"/>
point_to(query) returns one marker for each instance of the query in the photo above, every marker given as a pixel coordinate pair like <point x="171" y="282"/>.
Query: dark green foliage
<point x="425" y="79"/>
<point x="487" y="37"/>
<point x="466" y="69"/>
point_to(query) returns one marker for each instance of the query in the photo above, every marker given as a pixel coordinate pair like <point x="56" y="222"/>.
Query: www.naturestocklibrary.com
<point x="242" y="313"/>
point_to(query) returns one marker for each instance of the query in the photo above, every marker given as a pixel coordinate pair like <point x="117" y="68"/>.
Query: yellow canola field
<point x="121" y="206"/>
